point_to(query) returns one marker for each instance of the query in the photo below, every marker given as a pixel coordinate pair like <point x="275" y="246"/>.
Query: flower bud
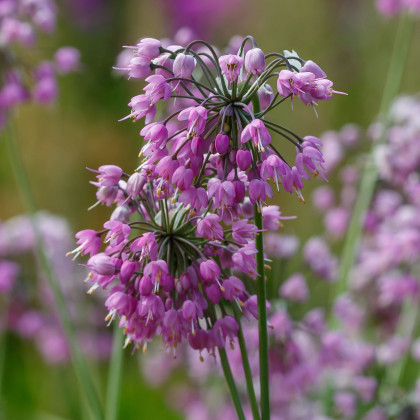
<point x="214" y="293"/>
<point x="198" y="145"/>
<point x="146" y="286"/>
<point x="243" y="159"/>
<point x="126" y="271"/>
<point x="255" y="61"/>
<point x="149" y="48"/>
<point x="184" y="65"/>
<point x="101" y="264"/>
<point x="135" y="184"/>
<point x="222" y="143"/>
<point x="239" y="191"/>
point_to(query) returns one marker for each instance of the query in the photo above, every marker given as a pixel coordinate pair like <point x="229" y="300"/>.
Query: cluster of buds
<point x="20" y="80"/>
<point x="184" y="221"/>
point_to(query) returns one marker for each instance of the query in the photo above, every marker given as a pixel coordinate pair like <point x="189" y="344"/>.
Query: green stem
<point x="370" y="174"/>
<point x="114" y="376"/>
<point x="3" y="344"/>
<point x="78" y="360"/>
<point x="262" y="318"/>
<point x="261" y="301"/>
<point x="47" y="416"/>
<point x="408" y="327"/>
<point x="231" y="384"/>
<point x="247" y="368"/>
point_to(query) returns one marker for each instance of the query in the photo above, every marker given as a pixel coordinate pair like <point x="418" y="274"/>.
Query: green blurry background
<point x="347" y="38"/>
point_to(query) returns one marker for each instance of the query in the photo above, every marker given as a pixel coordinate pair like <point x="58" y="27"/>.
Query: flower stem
<point x="247" y="368"/>
<point x="3" y="346"/>
<point x="261" y="302"/>
<point x="262" y="318"/>
<point x="79" y="363"/>
<point x="370" y="174"/>
<point x="231" y="384"/>
<point x="114" y="376"/>
<point x="408" y="327"/>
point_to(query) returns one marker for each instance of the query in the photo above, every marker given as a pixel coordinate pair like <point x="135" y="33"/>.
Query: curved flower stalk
<point x="190" y="219"/>
<point x="20" y="80"/>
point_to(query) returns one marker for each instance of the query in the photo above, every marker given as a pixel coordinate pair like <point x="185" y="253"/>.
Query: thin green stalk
<point x="261" y="302"/>
<point x="408" y="327"/>
<point x="231" y="385"/>
<point x="114" y="376"/>
<point x="395" y="375"/>
<point x="262" y="318"/>
<point x="370" y="174"/>
<point x="48" y="416"/>
<point x="3" y="345"/>
<point x="247" y="368"/>
<point x="78" y="360"/>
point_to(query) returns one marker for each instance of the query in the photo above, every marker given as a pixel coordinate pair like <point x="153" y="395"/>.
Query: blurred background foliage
<point x="346" y="37"/>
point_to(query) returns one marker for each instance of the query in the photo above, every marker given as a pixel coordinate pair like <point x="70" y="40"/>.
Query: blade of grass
<point x="231" y="384"/>
<point x="247" y="368"/>
<point x="114" y="376"/>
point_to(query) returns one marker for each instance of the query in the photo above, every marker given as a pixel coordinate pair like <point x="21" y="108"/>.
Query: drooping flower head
<point x="186" y="225"/>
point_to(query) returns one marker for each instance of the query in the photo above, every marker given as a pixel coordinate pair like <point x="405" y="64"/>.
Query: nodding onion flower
<point x="183" y="229"/>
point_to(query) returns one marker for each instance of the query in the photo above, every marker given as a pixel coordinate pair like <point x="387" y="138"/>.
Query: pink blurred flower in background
<point x="23" y="77"/>
<point x="202" y="17"/>
<point x="26" y="299"/>
<point x="393" y="7"/>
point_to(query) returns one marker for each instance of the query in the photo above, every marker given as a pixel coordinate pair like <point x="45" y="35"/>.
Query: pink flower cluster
<point x="183" y="229"/>
<point x="26" y="300"/>
<point x="203" y="18"/>
<point x="393" y="7"/>
<point x="20" y="21"/>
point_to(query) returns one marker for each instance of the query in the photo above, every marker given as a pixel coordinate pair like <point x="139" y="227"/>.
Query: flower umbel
<point x="182" y="222"/>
